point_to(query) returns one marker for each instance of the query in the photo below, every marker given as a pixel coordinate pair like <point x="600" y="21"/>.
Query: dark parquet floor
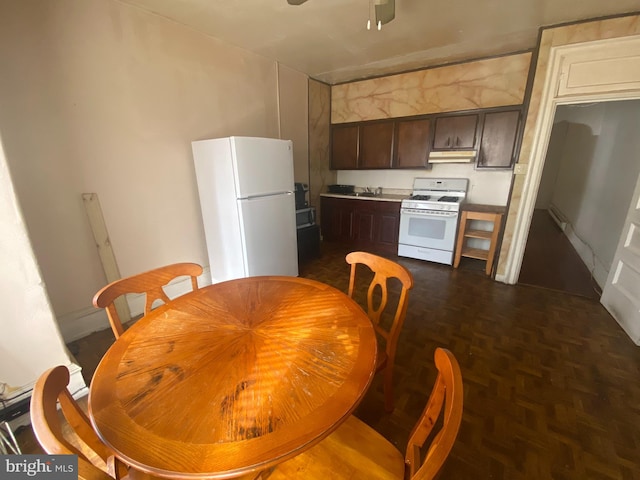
<point x="552" y="383"/>
<point x="550" y="261"/>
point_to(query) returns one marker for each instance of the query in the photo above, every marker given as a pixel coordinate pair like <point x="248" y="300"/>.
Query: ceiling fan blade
<point x="296" y="2"/>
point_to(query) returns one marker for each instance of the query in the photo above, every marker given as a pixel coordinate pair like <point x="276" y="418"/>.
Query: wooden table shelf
<point x="478" y="234"/>
<point x="478" y="253"/>
<point x="488" y="213"/>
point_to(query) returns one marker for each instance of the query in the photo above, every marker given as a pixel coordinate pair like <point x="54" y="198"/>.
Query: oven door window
<point x="429" y="232"/>
<point x="427" y="228"/>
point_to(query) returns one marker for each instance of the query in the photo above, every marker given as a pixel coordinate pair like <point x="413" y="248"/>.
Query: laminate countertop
<point x="385" y="197"/>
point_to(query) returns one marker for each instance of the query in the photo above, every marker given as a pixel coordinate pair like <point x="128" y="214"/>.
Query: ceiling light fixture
<point x="382" y="11"/>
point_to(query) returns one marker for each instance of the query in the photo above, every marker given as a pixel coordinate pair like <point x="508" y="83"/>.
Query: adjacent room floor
<point x="550" y="261"/>
<point x="551" y="380"/>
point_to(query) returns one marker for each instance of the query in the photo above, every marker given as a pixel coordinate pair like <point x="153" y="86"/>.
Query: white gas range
<point x="429" y="219"/>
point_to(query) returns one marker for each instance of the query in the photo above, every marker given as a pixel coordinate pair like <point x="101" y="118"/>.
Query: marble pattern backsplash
<point x="484" y="83"/>
<point x="319" y="140"/>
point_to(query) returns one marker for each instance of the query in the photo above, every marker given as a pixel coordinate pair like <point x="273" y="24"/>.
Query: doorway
<point x="589" y="176"/>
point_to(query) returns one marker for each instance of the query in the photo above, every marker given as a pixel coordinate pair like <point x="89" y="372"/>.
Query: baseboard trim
<point x="598" y="271"/>
<point x="79" y="324"/>
<point x="77" y="387"/>
<point x="557" y="217"/>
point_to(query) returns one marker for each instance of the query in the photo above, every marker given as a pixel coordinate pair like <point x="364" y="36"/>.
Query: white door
<point x="268" y="227"/>
<point x="262" y="166"/>
<point x="621" y="294"/>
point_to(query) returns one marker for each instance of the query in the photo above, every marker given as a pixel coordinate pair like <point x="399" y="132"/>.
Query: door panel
<point x="621" y="294"/>
<point x="262" y="165"/>
<point x="344" y="147"/>
<point x="412" y="146"/>
<point x="429" y="232"/>
<point x="498" y="140"/>
<point x="455" y="132"/>
<point x="269" y="232"/>
<point x="376" y="145"/>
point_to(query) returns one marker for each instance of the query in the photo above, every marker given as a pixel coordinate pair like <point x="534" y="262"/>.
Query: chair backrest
<point x="150" y="283"/>
<point x="383" y="269"/>
<point x="446" y="398"/>
<point x="95" y="459"/>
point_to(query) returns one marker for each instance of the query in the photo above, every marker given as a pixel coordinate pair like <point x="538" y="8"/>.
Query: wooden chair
<point x="355" y="451"/>
<point x="384" y="270"/>
<point x="95" y="459"/>
<point x="150" y="283"/>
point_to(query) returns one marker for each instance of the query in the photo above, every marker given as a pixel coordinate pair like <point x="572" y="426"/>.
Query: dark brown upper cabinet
<point x="344" y="147"/>
<point x="413" y="143"/>
<point x="490" y="137"/>
<point x="498" y="141"/>
<point x="455" y="132"/>
<point x="376" y="145"/>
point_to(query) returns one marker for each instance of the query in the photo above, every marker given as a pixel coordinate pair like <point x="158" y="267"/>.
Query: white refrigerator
<point x="246" y="194"/>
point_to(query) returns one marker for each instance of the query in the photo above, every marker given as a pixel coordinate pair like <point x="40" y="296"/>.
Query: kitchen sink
<point x="361" y="194"/>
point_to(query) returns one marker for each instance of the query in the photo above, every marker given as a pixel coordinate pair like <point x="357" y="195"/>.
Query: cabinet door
<point x="376" y="226"/>
<point x="344" y="147"/>
<point x="389" y="227"/>
<point x="376" y="145"/>
<point x="412" y="143"/>
<point x="337" y="219"/>
<point x="364" y="222"/>
<point x="497" y="146"/>
<point x="455" y="132"/>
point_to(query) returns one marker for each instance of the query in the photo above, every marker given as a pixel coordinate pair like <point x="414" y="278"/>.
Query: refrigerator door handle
<point x="271" y="194"/>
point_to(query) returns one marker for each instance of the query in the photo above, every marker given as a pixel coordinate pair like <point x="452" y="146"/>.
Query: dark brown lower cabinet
<point x="336" y="219"/>
<point x="370" y="225"/>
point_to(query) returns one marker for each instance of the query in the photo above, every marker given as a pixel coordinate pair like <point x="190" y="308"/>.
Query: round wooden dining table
<point x="233" y="378"/>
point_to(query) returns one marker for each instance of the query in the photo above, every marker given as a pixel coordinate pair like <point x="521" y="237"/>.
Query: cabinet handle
<point x="448" y="142"/>
<point x="457" y="141"/>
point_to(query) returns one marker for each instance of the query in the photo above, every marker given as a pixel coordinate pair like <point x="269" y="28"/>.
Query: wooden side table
<point x="488" y="213"/>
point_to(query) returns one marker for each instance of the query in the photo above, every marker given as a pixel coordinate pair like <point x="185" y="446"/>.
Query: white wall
<point x="598" y="168"/>
<point x="28" y="324"/>
<point x="551" y="165"/>
<point x="485" y="186"/>
<point x="97" y="96"/>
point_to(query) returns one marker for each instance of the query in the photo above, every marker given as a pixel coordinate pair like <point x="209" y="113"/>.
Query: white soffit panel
<point x="607" y="65"/>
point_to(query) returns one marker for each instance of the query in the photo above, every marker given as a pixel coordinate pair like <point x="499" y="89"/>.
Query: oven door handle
<point x="427" y="213"/>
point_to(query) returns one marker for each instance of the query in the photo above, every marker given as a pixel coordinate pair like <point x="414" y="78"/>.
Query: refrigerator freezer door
<point x="262" y="166"/>
<point x="269" y="228"/>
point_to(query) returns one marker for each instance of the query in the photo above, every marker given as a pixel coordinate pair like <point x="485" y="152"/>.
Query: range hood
<point x="452" y="156"/>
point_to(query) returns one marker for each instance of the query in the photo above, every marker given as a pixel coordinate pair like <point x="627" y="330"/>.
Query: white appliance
<point x="247" y="197"/>
<point x="429" y="219"/>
